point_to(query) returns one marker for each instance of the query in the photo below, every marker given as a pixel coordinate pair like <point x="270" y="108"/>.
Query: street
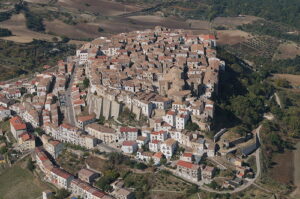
<point x="69" y="114"/>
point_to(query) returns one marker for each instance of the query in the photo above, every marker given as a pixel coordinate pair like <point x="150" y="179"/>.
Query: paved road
<point x="69" y="106"/>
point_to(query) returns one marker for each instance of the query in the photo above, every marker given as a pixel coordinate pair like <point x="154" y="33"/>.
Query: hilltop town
<point x="146" y="94"/>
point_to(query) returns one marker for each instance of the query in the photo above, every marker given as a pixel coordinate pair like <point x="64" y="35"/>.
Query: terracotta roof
<point x="128" y="143"/>
<point x="155" y="141"/>
<point x="187" y="154"/>
<point x="86" y="118"/>
<point x="54" y="142"/>
<point x="17" y="123"/>
<point x="158" y="132"/>
<point x="61" y="173"/>
<point x="100" y="128"/>
<point x="98" y="194"/>
<point x="158" y="155"/>
<point x="171" y="113"/>
<point x="128" y="129"/>
<point x="187" y="164"/>
<point x="25" y="136"/>
<point x="208" y="37"/>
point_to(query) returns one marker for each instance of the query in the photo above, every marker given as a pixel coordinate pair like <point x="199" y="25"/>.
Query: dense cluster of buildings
<point x="167" y="76"/>
<point x="64" y="180"/>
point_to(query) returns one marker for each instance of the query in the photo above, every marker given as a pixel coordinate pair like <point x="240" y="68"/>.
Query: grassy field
<point x="19" y="182"/>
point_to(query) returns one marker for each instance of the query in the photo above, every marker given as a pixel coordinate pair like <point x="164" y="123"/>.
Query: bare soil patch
<point x="283" y="170"/>
<point x="232" y="37"/>
<point x="233" y="22"/>
<point x="97" y="163"/>
<point x="102" y="7"/>
<point x="293" y="79"/>
<point x="21" y="33"/>
<point x="287" y="50"/>
<point x="84" y="30"/>
<point x="199" y="24"/>
<point x="152" y="20"/>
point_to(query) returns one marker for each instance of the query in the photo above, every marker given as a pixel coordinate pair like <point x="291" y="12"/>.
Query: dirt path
<point x="296" y="193"/>
<point x="278" y="100"/>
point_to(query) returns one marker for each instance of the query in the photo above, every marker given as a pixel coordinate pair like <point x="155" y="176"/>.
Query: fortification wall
<point x="103" y="106"/>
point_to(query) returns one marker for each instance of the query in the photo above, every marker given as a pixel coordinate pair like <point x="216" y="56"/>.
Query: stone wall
<point x="103" y="106"/>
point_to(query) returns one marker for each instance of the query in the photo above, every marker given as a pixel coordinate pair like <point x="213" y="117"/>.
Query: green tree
<point x="62" y="194"/>
<point x="100" y="29"/>
<point x="163" y="160"/>
<point x="5" y="32"/>
<point x="101" y="120"/>
<point x="86" y="83"/>
<point x="3" y="149"/>
<point x="140" y="166"/>
<point x="190" y="126"/>
<point x="30" y="165"/>
<point x="151" y="162"/>
<point x="104" y="182"/>
<point x="65" y="39"/>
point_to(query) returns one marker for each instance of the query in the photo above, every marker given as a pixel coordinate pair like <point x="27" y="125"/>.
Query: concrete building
<point x="168" y="147"/>
<point x="129" y="147"/>
<point x="88" y="175"/>
<point x="17" y="126"/>
<point x="105" y="134"/>
<point x="188" y="170"/>
<point x="127" y="133"/>
<point x="4" y="112"/>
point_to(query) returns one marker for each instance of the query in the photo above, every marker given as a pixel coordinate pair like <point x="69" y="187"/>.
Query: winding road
<point x="249" y="182"/>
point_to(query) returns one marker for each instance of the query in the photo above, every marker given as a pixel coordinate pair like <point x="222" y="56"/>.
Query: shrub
<point x="34" y="22"/>
<point x="4" y="32"/>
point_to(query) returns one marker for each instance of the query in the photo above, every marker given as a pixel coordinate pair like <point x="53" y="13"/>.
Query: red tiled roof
<point x="171" y="113"/>
<point x="86" y="118"/>
<point x="128" y="129"/>
<point x="187" y="154"/>
<point x="158" y="155"/>
<point x="128" y="143"/>
<point x="99" y="194"/>
<point x="208" y="37"/>
<point x="155" y="141"/>
<point x="17" y="123"/>
<point x="158" y="132"/>
<point x="25" y="136"/>
<point x="186" y="164"/>
<point x="61" y="173"/>
<point x="54" y="142"/>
